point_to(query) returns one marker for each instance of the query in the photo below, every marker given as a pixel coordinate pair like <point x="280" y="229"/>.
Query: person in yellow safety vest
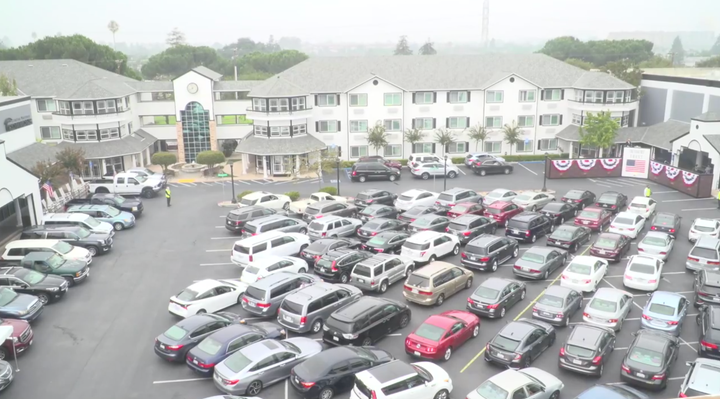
<point x="718" y="199"/>
<point x="648" y="193"/>
<point x="167" y="195"/>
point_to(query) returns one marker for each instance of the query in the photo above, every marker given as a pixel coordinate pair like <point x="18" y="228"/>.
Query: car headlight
<point x="325" y="328"/>
<point x="283" y="332"/>
<point x="22" y="312"/>
<point x="349" y="336"/>
<point x="126" y="220"/>
<point x="53" y="289"/>
<point x="78" y="274"/>
<point x="134" y="209"/>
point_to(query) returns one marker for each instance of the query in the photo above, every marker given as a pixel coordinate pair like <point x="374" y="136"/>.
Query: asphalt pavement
<point x="97" y="342"/>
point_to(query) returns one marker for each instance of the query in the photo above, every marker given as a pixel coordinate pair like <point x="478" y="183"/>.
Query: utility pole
<point x="485" y="23"/>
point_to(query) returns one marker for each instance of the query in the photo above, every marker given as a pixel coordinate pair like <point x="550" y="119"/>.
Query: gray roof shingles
<point x="714" y="140"/>
<point x="152" y="85"/>
<point x="236" y="85"/>
<point x="208" y="73"/>
<point x="710" y="116"/>
<point x="659" y="135"/>
<point x="280" y="146"/>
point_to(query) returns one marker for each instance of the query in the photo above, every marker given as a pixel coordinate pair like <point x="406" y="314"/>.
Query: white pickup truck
<point x="126" y="184"/>
<point x="300" y="205"/>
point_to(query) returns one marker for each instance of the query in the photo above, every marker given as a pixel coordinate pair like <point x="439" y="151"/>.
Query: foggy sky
<point x="210" y="21"/>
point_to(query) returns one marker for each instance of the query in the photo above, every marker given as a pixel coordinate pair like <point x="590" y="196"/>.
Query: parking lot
<point x="97" y="342"/>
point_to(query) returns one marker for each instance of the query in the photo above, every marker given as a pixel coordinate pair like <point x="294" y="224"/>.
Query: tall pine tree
<point x="428" y="48"/>
<point x="402" y="47"/>
<point x="678" y="53"/>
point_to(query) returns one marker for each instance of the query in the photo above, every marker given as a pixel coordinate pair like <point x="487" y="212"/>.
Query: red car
<point x="502" y="211"/>
<point x="593" y="217"/>
<point x="466" y="208"/>
<point x="22" y="337"/>
<point x="610" y="246"/>
<point x="440" y="334"/>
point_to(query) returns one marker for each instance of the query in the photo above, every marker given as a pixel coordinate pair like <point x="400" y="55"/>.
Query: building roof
<point x="207" y="72"/>
<point x="710" y="116"/>
<point x="440" y="72"/>
<point x="8" y="100"/>
<point x="235" y="85"/>
<point x="693" y="73"/>
<point x="152" y="85"/>
<point x="65" y="79"/>
<point x="29" y="156"/>
<point x="659" y="135"/>
<point x="280" y="146"/>
<point x="714" y="140"/>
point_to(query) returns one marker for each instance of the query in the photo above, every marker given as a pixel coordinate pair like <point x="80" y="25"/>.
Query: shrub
<point x="347" y="164"/>
<point x="403" y="162"/>
<point x="329" y="190"/>
<point x="294" y="195"/>
<point x="244" y="193"/>
<point x="458" y="160"/>
<point x="164" y="159"/>
<point x="519" y="158"/>
<point x="228" y="147"/>
<point x="210" y="158"/>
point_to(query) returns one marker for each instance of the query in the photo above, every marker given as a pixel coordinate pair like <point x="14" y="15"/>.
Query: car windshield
<point x="312" y="211"/>
<point x="362" y="196"/>
<point x="704" y="229"/>
<point x="187" y="295"/>
<point x="418" y="281"/>
<point x="645" y="359"/>
<point x="377" y="240"/>
<point x="579" y="351"/>
<point x="62" y="247"/>
<point x="247" y="201"/>
<point x="241" y="249"/>
<point x="664" y="310"/>
<point x="237" y="362"/>
<point x="416" y="246"/>
<point x="457" y="226"/>
<point x="83" y="233"/>
<point x="6" y="296"/>
<point x="489" y="390"/>
<point x="423" y="222"/>
<point x="251" y="269"/>
<point x="446" y="197"/>
<point x="290" y="346"/>
<point x="664" y="219"/>
<point x="574" y="194"/>
<point x="175" y="333"/>
<point x="706" y="253"/>
<point x="372" y="225"/>
<point x="429" y="331"/>
<point x="291" y="307"/>
<point x="360" y="270"/>
<point x="551" y="300"/>
<point x="606" y="243"/>
<point x="607" y="198"/>
<point x="404" y="197"/>
<point x="562" y="234"/>
<point x="579" y="268"/>
<point x="316" y="226"/>
<point x="603" y="305"/>
<point x="460" y="209"/>
<point x="486" y="293"/>
<point x="318" y="246"/>
<point x="524" y="197"/>
<point x="505" y="343"/>
<point x="119" y="199"/>
<point x="638" y="205"/>
<point x="643" y="268"/>
<point x="255" y="293"/>
<point x="210" y="346"/>
<point x="55" y="261"/>
<point x="495" y="194"/>
<point x="654" y="241"/>
<point x="534" y="258"/>
<point x="416" y="210"/>
<point x="590" y="214"/>
<point x="92" y="222"/>
<point x="112" y="211"/>
<point x="493" y="211"/>
<point x="30" y="276"/>
<point x="624" y="220"/>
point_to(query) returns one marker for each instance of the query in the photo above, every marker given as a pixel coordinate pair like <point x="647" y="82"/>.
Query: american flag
<point x="635" y="165"/>
<point x="48" y="188"/>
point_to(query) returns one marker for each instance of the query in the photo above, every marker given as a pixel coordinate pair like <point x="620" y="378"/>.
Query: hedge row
<point x="461" y="160"/>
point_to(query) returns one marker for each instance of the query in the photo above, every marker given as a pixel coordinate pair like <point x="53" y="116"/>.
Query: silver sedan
<point x="656" y="244"/>
<point x="533" y="201"/>
<point x="608" y="308"/>
<point x="427" y="170"/>
<point x="503" y="385"/>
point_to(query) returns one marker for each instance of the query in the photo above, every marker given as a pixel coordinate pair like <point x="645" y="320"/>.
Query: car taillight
<point x="470" y="301"/>
<point x="682" y="395"/>
<point x="586" y="281"/>
<point x="354" y="173"/>
<point x="703" y="293"/>
<point x="231" y="382"/>
<point x="708" y="345"/>
<point x="578" y="200"/>
<point x="641" y="250"/>
<point x="245" y="300"/>
<point x="174" y="347"/>
<point x="463" y="255"/>
<point x="564" y="277"/>
<point x="613" y="207"/>
<point x="527" y="233"/>
<point x="658" y="376"/>
<point x="585" y="314"/>
<point x="373" y="395"/>
<point x="307" y="384"/>
<point x="625" y="368"/>
<point x="631" y="229"/>
<point x="559" y="315"/>
<point x="263" y="305"/>
<point x="612" y="226"/>
<point x="416" y="170"/>
<point x="451" y="204"/>
<point x="369" y="201"/>
<point x="562" y="351"/>
<point x="629" y="277"/>
<point x="333" y="266"/>
<point x="672" y="230"/>
<point x="324" y="234"/>
<point x="518" y="356"/>
<point x="714" y="263"/>
<point x="319" y="216"/>
<point x="493" y="306"/>
<point x="653" y="228"/>
<point x="652" y="281"/>
<point x="425" y="292"/>
<point x="484" y="259"/>
<point x="597" y="360"/>
<point x="379" y="249"/>
<point x="613" y="321"/>
<point x="250" y="258"/>
<point x="303" y="320"/>
<point x="374" y="233"/>
<point x="423" y="253"/>
<point x="690" y="258"/>
<point x="646" y="317"/>
<point x="412" y="220"/>
<point x="672" y="323"/>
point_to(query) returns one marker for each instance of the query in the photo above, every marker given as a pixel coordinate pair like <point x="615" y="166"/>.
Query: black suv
<point x="587" y="349"/>
<point x="528" y="226"/>
<point x="365" y="321"/>
<point x="332" y="371"/>
<point x="707" y="287"/>
<point x="46" y="288"/>
<point x="336" y="265"/>
<point x="374" y="197"/>
<point x="709" y="321"/>
<point x="95" y="243"/>
<point x="132" y="205"/>
<point x="467" y="227"/>
<point x="236" y="219"/>
<point x="373" y="171"/>
<point x="487" y="252"/>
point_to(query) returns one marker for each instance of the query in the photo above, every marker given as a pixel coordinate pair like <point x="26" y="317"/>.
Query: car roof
<point x="307" y="294"/>
<point x="38" y="255"/>
<point x="455" y="190"/>
<point x="510" y="380"/>
<point x="268" y="235"/>
<point x="499" y="204"/>
<point x="232" y="331"/>
<point x="377" y="259"/>
<point x="256" y="194"/>
<point x="326" y="219"/>
<point x="267" y="219"/>
<point x="568" y="227"/>
<point x="370" y="190"/>
<point x="268" y="260"/>
<point x="414" y="192"/>
<point x="433" y="268"/>
<point x="626" y="214"/>
<point x="517" y="330"/>
<point x="705" y="222"/>
<point x="204" y="285"/>
<point x="360" y="307"/>
<point x="585" y="260"/>
<point x="67" y="216"/>
<point x="652" y="339"/>
<point x="193" y="322"/>
<point x="340" y="252"/>
<point x="441" y="321"/>
<point x="54" y="227"/>
<point x="609" y="294"/>
<point x="705" y="241"/>
<point x="558" y="290"/>
<point x="712" y="277"/>
<point x="640" y="199"/>
<point x="424" y="236"/>
<point x="389" y="234"/>
<point x="430" y="216"/>
<point x="500" y="190"/>
<point x="610" y="193"/>
<point x="30" y="243"/>
<point x="246" y="209"/>
<point x="322" y="204"/>
<point x="644" y="259"/>
<point x="610" y="236"/>
<point x="94" y="207"/>
<point x="260" y="350"/>
<point x="273" y="279"/>
<point x="524" y="216"/>
<point x="585" y="335"/>
<point x="483" y="240"/>
<point x="714" y="316"/>
<point x="496" y="282"/>
<point x="386" y="372"/>
<point x="658" y="234"/>
<point x="466" y="218"/>
<point x="707" y="377"/>
<point x="544" y="251"/>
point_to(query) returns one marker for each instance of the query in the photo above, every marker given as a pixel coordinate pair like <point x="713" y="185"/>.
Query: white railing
<point x="77" y="188"/>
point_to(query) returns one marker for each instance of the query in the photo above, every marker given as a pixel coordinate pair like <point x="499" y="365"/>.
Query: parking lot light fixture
<point x="232" y="184"/>
<point x="545" y="173"/>
<point x="337" y="164"/>
<point x="445" y="174"/>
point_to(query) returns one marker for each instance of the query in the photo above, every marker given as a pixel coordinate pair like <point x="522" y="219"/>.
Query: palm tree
<point x="413" y="136"/>
<point x="113" y="27"/>
<point x="478" y="134"/>
<point x="444" y="137"/>
<point x="512" y="134"/>
<point x="377" y="138"/>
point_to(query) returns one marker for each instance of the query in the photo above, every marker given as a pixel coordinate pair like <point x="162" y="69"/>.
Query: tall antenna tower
<point x="485" y="22"/>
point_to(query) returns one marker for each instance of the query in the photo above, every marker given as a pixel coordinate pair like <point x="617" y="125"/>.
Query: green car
<point x="51" y="263"/>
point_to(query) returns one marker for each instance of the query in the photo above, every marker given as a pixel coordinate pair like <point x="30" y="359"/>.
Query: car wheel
<point x="546" y="275"/>
<point x="476" y="331"/>
<point x="362" y="179"/>
<point x="101" y="190"/>
<point x="456" y="250"/>
<point x="507" y="171"/>
<point x="526" y="363"/>
<point x="302" y="247"/>
<point x="118" y="226"/>
<point x="302" y="231"/>
<point x="3" y="354"/>
<point x="522" y="294"/>
<point x="404" y="321"/>
<point x="302" y="270"/>
<point x="433" y="258"/>
<point x="452" y="175"/>
<point x="286" y="206"/>
<point x="344" y="278"/>
<point x="532" y="208"/>
<point x="575" y="213"/>
<point x="93" y="250"/>
<point x="425" y="176"/>
<point x="147" y="193"/>
<point x="392" y="178"/>
<point x="619" y="325"/>
<point x="533" y="238"/>
<point x="573" y="248"/>
<point x="483" y="173"/>
<point x="552" y="228"/>
<point x="555" y="395"/>
<point x="600" y="370"/>
<point x="70" y="281"/>
<point x="502" y="312"/>
<point x="239" y="300"/>
<point x="408" y="271"/>
<point x="567" y="320"/>
<point x="254" y="388"/>
<point x="326" y="393"/>
<point x="440" y="300"/>
<point x="448" y="354"/>
<point x="516" y="252"/>
<point x="383" y="287"/>
<point x="201" y="311"/>
<point x="43" y="298"/>
<point x="468" y="284"/>
<point x="562" y="220"/>
<point x="317" y="326"/>
<point x="443" y="394"/>
<point x="494" y="266"/>
<point x="366" y="341"/>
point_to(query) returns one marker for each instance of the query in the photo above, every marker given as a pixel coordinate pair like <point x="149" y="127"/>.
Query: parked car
<point x="19" y="340"/>
<point x="608" y="308"/>
<point x="665" y="311"/>
<point x="487" y="252"/>
<point x="538" y="263"/>
<point x="706" y="287"/>
<point x="467" y="227"/>
<point x="332" y="371"/>
<point x="262" y="268"/>
<point x="429" y="223"/>
<point x="415" y="380"/>
<point x="272" y="243"/>
<point x="336" y="265"/>
<point x="643" y="273"/>
<point x="704" y="227"/>
<point x="612" y="391"/>
<point x="499" y="194"/>
<point x="377" y="211"/>
<point x="587" y="349"/>
<point x="333" y="227"/>
<point x="324" y="245"/>
<point x="265" y="199"/>
<point x="261" y="364"/>
<point x="95" y="243"/>
<point x="449" y="198"/>
<point x="263" y="298"/>
<point x="492" y="166"/>
<point x="705" y="254"/>
<point x="415" y="197"/>
<point x="47" y="288"/>
<point x="174" y="344"/>
<point x="666" y="222"/>
<point x="579" y="198"/>
<point x="649" y="358"/>
<point x="708" y="321"/>
<point x="19" y="306"/>
<point x="126" y="184"/>
<point x="475" y="157"/>
<point x="363" y="172"/>
<point x="428" y="246"/>
<point x="533" y="201"/>
<point x="378" y="272"/>
<point x="612" y="201"/>
<point x="323" y="209"/>
<point x="593" y="218"/>
<point x="435" y="169"/>
<point x="569" y="237"/>
<point x="439" y="335"/>
<point x="16" y="251"/>
<point x="206" y="296"/>
<point x="386" y="242"/>
<point x="300" y="205"/>
<point x="118" y="219"/>
<point x="222" y="343"/>
<point x="538" y="383"/>
<point x="274" y="223"/>
<point x="432" y="284"/>
<point x="656" y="244"/>
<point x="702" y="378"/>
<point x="154" y="177"/>
<point x="377" y="158"/>
<point x="557" y="305"/>
<point x="642" y="206"/>
<point x="307" y="309"/>
<point x="237" y="218"/>
<point x="528" y="226"/>
<point x="73" y="271"/>
<point x="610" y="246"/>
<point x="130" y="205"/>
<point x="466" y="208"/>
<point x="415" y="212"/>
<point x="559" y="212"/>
<point x="374" y="197"/>
<point x="416" y="159"/>
<point x="519" y="343"/>
<point x="494" y="296"/>
<point x="365" y="321"/>
<point x="78" y="219"/>
<point x="502" y="211"/>
<point x="584" y="273"/>
<point x="378" y="226"/>
<point x="6" y="375"/>
<point x="627" y="224"/>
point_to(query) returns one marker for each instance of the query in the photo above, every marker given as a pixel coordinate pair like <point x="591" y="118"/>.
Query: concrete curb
<point x="227" y="204"/>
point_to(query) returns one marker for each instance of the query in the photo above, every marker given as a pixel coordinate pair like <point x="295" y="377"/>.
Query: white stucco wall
<point x="699" y="129"/>
<point x="15" y="182"/>
<point x="183" y="97"/>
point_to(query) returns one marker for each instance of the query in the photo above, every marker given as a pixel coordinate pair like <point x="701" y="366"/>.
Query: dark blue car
<point x="615" y="391"/>
<point x="19" y="306"/>
<point x="224" y="342"/>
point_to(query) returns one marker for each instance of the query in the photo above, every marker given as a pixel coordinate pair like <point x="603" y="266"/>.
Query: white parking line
<point x="242" y="182"/>
<point x="220" y="183"/>
<point x="281" y="182"/>
<point x="206" y="183"/>
<point x="185" y="380"/>
<point x="528" y="169"/>
<point x="689" y="199"/>
<point x="613" y="183"/>
<point x="223" y="238"/>
<point x="215" y="264"/>
<point x="188" y="184"/>
<point x="621" y="275"/>
<point x="461" y="171"/>
<point x="622" y="348"/>
<point x="676" y="378"/>
<point x="689" y="344"/>
<point x="218" y="250"/>
<point x="173" y="185"/>
<point x="698" y="209"/>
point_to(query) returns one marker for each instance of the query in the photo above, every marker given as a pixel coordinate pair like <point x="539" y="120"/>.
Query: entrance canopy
<point x="280" y="146"/>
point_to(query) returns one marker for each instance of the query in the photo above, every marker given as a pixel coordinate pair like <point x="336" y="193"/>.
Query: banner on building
<point x="636" y="162"/>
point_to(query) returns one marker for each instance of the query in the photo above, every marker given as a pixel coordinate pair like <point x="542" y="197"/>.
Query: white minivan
<point x="79" y="219"/>
<point x="16" y="250"/>
<point x="271" y="243"/>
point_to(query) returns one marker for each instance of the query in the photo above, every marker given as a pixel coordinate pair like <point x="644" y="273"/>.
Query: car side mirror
<point x="689" y="364"/>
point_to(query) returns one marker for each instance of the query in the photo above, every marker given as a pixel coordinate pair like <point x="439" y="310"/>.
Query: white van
<point x="15" y="251"/>
<point x="267" y="244"/>
<point x="79" y="219"/>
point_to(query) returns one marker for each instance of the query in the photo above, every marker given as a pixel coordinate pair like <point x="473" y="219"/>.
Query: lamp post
<point x="445" y="174"/>
<point x="232" y="184"/>
<point x="337" y="168"/>
<point x="545" y="173"/>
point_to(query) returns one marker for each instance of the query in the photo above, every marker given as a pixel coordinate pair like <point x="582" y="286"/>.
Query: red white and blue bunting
<point x="562" y="164"/>
<point x="610" y="163"/>
<point x="656" y="168"/>
<point x="586" y="164"/>
<point x="689" y="178"/>
<point x="671" y="173"/>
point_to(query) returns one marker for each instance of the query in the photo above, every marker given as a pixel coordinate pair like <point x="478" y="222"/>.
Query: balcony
<point x="82" y="119"/>
<point x="603" y="106"/>
<point x="278" y="115"/>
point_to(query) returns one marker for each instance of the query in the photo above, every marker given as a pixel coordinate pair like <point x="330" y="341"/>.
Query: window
<point x="121" y="102"/>
<point x="624" y="121"/>
<point x="229" y="95"/>
<point x="527" y="96"/>
<point x="64" y="107"/>
<point x="493" y="146"/>
<point x="112" y="133"/>
<point x="526" y="121"/>
<point x="524" y="146"/>
<point x="83" y="108"/>
<point x="163" y="120"/>
<point x="550" y="120"/>
<point x="457" y="122"/>
<point x="297" y="103"/>
<point x="493" y="122"/>
<point x="166" y="96"/>
<point x="358" y="127"/>
<point x="458" y="97"/>
<point x="393" y="99"/>
<point x="50" y="133"/>
<point x="547" y="145"/>
<point x="46" y="105"/>
<point x="280" y="131"/>
<point x="279" y="104"/>
<point x="456" y="148"/>
<point x="358" y="151"/>
<point x="424" y="123"/>
<point x="552" y="95"/>
<point x="106" y="106"/>
<point x="259" y="104"/>
<point x="593" y="96"/>
<point x="86" y="135"/>
<point x="494" y="96"/>
<point x="68" y="134"/>
<point x="423" y="97"/>
<point x="423" y="148"/>
<point x="614" y="97"/>
<point x="393" y="150"/>
<point x="260" y="130"/>
<point x="326" y="100"/>
<point x="327" y="126"/>
<point x="577" y="119"/>
<point x="299" y="130"/>
<point x="579" y="95"/>
<point x="358" y="100"/>
<point x="392" y="125"/>
<point x="232" y="120"/>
